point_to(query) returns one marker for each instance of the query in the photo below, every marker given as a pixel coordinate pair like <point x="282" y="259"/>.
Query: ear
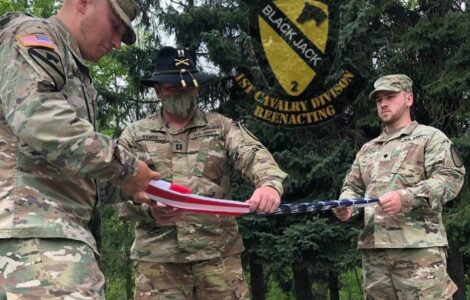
<point x="409" y="99"/>
<point x="158" y="89"/>
<point x="82" y="6"/>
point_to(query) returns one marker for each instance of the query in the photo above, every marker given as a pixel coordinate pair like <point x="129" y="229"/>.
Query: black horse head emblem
<point x="310" y="12"/>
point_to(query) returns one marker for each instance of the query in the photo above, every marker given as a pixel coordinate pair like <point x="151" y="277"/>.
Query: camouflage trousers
<point x="406" y="274"/>
<point x="32" y="269"/>
<point x="219" y="278"/>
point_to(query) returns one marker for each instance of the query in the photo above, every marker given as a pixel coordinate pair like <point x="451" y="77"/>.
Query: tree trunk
<point x="302" y="285"/>
<point x="257" y="286"/>
<point x="129" y="267"/>
<point x="333" y="285"/>
<point x="455" y="269"/>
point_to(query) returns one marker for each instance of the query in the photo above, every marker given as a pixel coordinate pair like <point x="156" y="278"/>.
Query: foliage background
<point x="304" y="256"/>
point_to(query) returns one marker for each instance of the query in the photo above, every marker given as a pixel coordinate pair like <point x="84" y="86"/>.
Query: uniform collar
<point x="407" y="130"/>
<point x="71" y="43"/>
<point x="198" y="120"/>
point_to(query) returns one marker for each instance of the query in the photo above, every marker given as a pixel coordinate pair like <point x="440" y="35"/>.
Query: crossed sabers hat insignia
<point x="181" y="61"/>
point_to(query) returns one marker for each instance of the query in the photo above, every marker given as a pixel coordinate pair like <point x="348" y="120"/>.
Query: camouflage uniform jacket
<point x="420" y="163"/>
<point x="199" y="156"/>
<point x="49" y="151"/>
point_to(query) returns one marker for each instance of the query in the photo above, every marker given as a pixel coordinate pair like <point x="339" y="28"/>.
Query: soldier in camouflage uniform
<point x="414" y="170"/>
<point x="50" y="153"/>
<point x="186" y="255"/>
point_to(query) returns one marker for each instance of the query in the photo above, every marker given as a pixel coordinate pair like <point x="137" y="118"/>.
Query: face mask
<point x="180" y="105"/>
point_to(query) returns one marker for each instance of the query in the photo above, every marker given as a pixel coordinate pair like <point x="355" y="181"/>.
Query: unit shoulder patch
<point x="51" y="63"/>
<point x="456" y="158"/>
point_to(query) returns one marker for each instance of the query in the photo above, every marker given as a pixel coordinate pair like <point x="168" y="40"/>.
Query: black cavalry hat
<point x="175" y="66"/>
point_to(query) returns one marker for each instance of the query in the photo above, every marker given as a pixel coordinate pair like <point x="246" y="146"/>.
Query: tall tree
<point x="426" y="39"/>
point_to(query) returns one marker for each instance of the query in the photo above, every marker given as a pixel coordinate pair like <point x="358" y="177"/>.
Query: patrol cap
<point x="392" y="83"/>
<point x="126" y="10"/>
<point x="175" y="66"/>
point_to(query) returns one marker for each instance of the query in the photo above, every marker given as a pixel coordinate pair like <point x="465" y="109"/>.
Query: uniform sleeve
<point x="134" y="213"/>
<point x="252" y="159"/>
<point x="353" y="185"/>
<point x="444" y="176"/>
<point x="38" y="113"/>
<point x="128" y="210"/>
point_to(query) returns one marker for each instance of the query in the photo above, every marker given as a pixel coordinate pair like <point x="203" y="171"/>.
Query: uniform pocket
<point x="158" y="152"/>
<point x="398" y="159"/>
<point x="210" y="159"/>
<point x="215" y="160"/>
<point x="410" y="163"/>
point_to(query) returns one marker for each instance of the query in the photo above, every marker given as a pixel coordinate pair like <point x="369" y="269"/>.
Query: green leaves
<point x="40" y="8"/>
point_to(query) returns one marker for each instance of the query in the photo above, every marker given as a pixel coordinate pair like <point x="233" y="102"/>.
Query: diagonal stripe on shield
<point x="294" y="36"/>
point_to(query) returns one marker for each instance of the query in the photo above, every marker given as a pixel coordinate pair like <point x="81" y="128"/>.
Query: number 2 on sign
<point x="294" y="86"/>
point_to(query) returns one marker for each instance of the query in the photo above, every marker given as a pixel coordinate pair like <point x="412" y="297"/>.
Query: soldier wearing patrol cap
<point x="414" y="170"/>
<point x="184" y="255"/>
<point x="51" y="154"/>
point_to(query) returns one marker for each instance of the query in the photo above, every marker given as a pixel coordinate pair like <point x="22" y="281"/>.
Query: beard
<point x="392" y="117"/>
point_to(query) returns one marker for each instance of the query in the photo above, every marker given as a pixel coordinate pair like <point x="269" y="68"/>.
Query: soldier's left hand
<point x="161" y="213"/>
<point x="142" y="197"/>
<point x="264" y="199"/>
<point x="390" y="203"/>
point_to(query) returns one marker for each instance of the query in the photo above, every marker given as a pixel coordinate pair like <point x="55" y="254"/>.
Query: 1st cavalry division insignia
<point x="294" y="43"/>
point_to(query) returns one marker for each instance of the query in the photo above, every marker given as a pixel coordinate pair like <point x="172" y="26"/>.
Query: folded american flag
<point x="179" y="196"/>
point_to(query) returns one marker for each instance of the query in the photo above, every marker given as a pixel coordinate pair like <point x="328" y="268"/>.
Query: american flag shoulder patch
<point x="35" y="40"/>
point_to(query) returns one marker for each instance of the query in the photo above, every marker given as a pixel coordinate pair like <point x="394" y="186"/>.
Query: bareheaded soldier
<point x="50" y="152"/>
<point x="186" y="255"/>
<point x="414" y="170"/>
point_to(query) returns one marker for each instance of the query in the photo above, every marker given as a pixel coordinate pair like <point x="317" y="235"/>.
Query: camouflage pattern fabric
<point x="50" y="154"/>
<point x="392" y="83"/>
<point x="419" y="162"/>
<point x="126" y="10"/>
<point x="418" y="274"/>
<point x="219" y="278"/>
<point x="32" y="269"/>
<point x="199" y="157"/>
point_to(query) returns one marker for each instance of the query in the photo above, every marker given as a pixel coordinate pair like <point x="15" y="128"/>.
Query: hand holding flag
<point x="264" y="199"/>
<point x="343" y="213"/>
<point x="140" y="181"/>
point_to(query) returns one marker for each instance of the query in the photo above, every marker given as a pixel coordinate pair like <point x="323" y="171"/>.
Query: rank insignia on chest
<point x="385" y="156"/>
<point x="178" y="146"/>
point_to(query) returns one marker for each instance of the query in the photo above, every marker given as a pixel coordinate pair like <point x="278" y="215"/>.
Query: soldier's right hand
<point x="141" y="180"/>
<point x="343" y="213"/>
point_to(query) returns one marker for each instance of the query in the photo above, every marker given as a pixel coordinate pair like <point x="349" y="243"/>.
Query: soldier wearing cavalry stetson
<point x="187" y="256"/>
